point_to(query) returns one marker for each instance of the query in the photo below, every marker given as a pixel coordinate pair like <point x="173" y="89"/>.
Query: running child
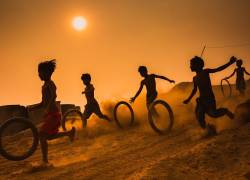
<point x="206" y="103"/>
<point x="92" y="105"/>
<point x="52" y="116"/>
<point x="240" y="80"/>
<point x="150" y="83"/>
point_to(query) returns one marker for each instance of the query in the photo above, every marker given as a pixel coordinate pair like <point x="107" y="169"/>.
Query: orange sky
<point x="122" y="34"/>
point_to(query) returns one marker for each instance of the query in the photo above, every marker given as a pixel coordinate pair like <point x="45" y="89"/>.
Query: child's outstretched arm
<point x="137" y="94"/>
<point x="221" y="68"/>
<point x="231" y="75"/>
<point x="246" y="72"/>
<point x="192" y="94"/>
<point x="164" y="78"/>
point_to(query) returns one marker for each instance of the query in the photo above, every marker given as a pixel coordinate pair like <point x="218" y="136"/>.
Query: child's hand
<point x="132" y="100"/>
<point x="233" y="59"/>
<point x="186" y="101"/>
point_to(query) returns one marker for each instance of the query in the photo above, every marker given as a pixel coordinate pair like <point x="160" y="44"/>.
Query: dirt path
<point x="139" y="154"/>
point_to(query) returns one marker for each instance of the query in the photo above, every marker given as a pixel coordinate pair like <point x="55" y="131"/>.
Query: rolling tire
<point x="35" y="142"/>
<point x="222" y="88"/>
<point x="151" y="119"/>
<point x="132" y="115"/>
<point x="84" y="122"/>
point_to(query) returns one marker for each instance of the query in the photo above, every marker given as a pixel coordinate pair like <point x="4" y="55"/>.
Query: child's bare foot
<point x="72" y="134"/>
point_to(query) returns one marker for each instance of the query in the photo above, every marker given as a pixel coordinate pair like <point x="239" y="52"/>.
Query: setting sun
<point x="79" y="23"/>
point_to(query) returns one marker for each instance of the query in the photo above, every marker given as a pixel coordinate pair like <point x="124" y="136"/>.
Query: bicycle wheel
<point x="73" y="117"/>
<point x="117" y="120"/>
<point x="152" y="119"/>
<point x="19" y="135"/>
<point x="223" y="90"/>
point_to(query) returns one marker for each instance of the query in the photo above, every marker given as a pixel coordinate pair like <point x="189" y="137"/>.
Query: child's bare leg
<point x="220" y="112"/>
<point x="44" y="146"/>
<point x="101" y="115"/>
<point x="70" y="134"/>
<point x="105" y="117"/>
<point x="153" y="110"/>
<point x="86" y="114"/>
<point x="44" y="137"/>
<point x="200" y="116"/>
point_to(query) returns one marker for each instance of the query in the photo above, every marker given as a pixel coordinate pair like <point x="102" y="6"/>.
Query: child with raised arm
<point x="92" y="105"/>
<point x="240" y="80"/>
<point x="52" y="116"/>
<point x="150" y="83"/>
<point x="206" y="103"/>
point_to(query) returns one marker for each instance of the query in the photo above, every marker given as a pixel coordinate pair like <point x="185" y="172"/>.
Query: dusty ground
<point x="137" y="153"/>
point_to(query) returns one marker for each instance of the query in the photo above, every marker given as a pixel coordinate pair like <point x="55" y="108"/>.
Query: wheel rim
<point x="116" y="116"/>
<point x="72" y="111"/>
<point x="171" y="117"/>
<point x="222" y="88"/>
<point x="35" y="141"/>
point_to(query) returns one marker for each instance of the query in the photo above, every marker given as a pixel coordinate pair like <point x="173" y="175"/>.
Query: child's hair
<point x="197" y="62"/>
<point x="239" y="62"/>
<point x="86" y="77"/>
<point x="142" y="69"/>
<point x="47" y="67"/>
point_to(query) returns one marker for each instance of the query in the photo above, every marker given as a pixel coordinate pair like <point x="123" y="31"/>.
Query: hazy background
<point x="121" y="35"/>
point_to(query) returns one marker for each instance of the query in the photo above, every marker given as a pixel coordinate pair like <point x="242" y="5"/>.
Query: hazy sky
<point x="121" y="34"/>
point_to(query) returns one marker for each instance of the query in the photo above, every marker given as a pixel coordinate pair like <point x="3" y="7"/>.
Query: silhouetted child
<point x="52" y="116"/>
<point x="92" y="105"/>
<point x="149" y="82"/>
<point x="206" y="103"/>
<point x="240" y="80"/>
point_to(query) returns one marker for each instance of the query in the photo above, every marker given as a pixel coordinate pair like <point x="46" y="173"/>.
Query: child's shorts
<point x="91" y="108"/>
<point x="51" y="123"/>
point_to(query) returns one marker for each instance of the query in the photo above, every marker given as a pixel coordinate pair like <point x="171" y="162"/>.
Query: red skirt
<point x="51" y="123"/>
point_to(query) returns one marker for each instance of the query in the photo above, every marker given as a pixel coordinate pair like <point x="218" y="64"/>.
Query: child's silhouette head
<point x="46" y="69"/>
<point x="86" y="78"/>
<point x="196" y="64"/>
<point x="143" y="71"/>
<point x="239" y="63"/>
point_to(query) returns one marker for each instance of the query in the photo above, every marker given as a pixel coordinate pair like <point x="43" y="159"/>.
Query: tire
<point x="222" y="89"/>
<point x="151" y="119"/>
<point x="131" y="113"/>
<point x="35" y="142"/>
<point x="84" y="122"/>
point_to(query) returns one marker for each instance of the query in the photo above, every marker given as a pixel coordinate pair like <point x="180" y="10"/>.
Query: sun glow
<point x="79" y="23"/>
